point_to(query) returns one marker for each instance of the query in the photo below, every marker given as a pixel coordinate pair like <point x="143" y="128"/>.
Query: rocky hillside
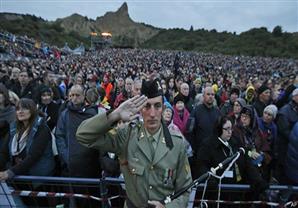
<point x="124" y="30"/>
<point x="127" y="33"/>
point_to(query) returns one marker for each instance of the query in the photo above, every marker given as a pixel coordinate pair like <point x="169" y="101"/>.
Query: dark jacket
<point x="51" y="112"/>
<point x="201" y="123"/>
<point x="189" y="103"/>
<point x="30" y="91"/>
<point x="77" y="159"/>
<point x="37" y="158"/>
<point x="267" y="135"/>
<point x="4" y="131"/>
<point x="286" y="118"/>
<point x="291" y="164"/>
<point x="8" y="114"/>
<point x="227" y="108"/>
<point x="285" y="97"/>
<point x="259" y="106"/>
<point x="213" y="151"/>
<point x="250" y="139"/>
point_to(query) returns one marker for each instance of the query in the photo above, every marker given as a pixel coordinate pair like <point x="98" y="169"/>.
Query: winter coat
<point x="259" y="106"/>
<point x="286" y="119"/>
<point x="77" y="160"/>
<point x="213" y="152"/>
<point x="291" y="164"/>
<point x="37" y="158"/>
<point x="8" y="114"/>
<point x="51" y="112"/>
<point x="201" y="125"/>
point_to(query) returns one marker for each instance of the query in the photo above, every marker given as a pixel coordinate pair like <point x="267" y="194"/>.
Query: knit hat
<point x="241" y="101"/>
<point x="262" y="89"/>
<point x="271" y="109"/>
<point x="179" y="97"/>
<point x="295" y="92"/>
<point x="168" y="105"/>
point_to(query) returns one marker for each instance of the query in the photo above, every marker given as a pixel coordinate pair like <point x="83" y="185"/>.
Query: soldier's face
<point x="152" y="113"/>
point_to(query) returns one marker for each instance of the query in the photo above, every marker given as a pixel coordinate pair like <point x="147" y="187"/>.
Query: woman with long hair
<point x="28" y="148"/>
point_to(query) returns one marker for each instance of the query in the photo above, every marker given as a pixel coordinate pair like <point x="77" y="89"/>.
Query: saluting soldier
<point x="153" y="159"/>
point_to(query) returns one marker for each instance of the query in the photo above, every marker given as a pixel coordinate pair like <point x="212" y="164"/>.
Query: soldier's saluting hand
<point x="152" y="159"/>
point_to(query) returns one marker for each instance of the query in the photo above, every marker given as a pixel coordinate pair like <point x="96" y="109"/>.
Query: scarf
<point x="18" y="145"/>
<point x="181" y="123"/>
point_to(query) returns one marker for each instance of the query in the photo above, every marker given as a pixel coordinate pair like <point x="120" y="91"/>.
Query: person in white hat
<point x="267" y="132"/>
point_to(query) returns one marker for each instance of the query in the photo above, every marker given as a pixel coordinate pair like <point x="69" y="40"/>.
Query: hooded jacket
<point x="250" y="99"/>
<point x="77" y="159"/>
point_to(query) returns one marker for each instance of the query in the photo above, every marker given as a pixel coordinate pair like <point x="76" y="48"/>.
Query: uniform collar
<point x="155" y="136"/>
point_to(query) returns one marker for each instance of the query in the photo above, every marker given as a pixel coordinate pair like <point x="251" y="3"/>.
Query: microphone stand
<point x="220" y="166"/>
<point x="195" y="184"/>
<point x="202" y="178"/>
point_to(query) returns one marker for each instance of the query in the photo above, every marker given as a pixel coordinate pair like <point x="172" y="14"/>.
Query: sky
<point x="223" y="15"/>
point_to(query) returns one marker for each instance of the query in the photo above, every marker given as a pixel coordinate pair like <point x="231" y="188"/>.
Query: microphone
<point x="202" y="178"/>
<point x="228" y="160"/>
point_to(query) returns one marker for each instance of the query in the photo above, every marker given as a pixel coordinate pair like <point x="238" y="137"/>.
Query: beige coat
<point x="145" y="178"/>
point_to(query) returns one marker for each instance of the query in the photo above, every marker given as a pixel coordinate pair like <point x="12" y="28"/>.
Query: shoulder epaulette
<point x="176" y="133"/>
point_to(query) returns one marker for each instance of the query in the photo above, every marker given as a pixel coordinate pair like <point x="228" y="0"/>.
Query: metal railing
<point x="7" y="193"/>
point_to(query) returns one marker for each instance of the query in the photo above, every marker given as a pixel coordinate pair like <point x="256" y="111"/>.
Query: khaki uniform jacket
<point x="147" y="177"/>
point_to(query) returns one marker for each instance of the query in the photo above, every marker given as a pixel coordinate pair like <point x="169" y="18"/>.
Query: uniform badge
<point x="168" y="179"/>
<point x="158" y="86"/>
<point x="113" y="132"/>
<point x="187" y="168"/>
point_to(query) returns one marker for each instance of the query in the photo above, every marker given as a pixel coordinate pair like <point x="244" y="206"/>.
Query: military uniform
<point x="149" y="174"/>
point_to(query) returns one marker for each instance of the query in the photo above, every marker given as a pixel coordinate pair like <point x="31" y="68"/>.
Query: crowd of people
<point x="216" y="103"/>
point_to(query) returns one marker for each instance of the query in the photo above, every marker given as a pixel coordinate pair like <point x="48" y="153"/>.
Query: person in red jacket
<point x="107" y="86"/>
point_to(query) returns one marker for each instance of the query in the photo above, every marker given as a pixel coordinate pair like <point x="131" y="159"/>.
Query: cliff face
<point x="124" y="30"/>
<point x="82" y="25"/>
